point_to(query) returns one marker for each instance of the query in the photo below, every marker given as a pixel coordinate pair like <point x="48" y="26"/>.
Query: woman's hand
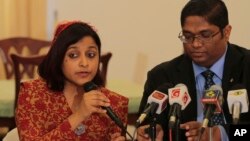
<point x="92" y="102"/>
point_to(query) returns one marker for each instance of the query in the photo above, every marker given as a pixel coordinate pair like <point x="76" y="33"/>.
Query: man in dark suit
<point x="205" y="36"/>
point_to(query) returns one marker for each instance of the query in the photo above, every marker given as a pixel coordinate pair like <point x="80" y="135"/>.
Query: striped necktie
<point x="216" y="119"/>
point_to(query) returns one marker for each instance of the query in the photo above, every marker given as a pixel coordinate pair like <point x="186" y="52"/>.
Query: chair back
<point x="24" y="65"/>
<point x="104" y="61"/>
<point x="19" y="45"/>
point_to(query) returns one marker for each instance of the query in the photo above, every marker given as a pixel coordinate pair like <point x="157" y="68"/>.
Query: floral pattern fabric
<point x="42" y="115"/>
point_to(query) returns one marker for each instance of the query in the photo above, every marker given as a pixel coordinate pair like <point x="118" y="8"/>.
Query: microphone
<point x="212" y="101"/>
<point x="178" y="99"/>
<point x="92" y="86"/>
<point x="156" y="103"/>
<point x="237" y="100"/>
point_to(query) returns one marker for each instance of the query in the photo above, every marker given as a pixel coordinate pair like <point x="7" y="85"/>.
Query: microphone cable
<point x="133" y="138"/>
<point x="128" y="134"/>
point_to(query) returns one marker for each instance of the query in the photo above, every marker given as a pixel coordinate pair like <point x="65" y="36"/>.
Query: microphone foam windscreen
<point x="89" y="86"/>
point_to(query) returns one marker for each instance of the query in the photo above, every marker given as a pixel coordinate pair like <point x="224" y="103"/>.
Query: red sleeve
<point x="30" y="120"/>
<point x="119" y="104"/>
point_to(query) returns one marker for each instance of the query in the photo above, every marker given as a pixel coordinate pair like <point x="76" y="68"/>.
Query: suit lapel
<point x="232" y="68"/>
<point x="186" y="76"/>
<point x="232" y="74"/>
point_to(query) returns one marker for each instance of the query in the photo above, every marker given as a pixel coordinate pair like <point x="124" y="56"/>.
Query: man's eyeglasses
<point x="203" y="37"/>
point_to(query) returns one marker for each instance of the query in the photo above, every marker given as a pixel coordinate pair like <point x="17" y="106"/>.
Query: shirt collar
<point x="217" y="67"/>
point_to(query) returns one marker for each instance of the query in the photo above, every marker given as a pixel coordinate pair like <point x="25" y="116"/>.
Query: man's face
<point x="206" y="43"/>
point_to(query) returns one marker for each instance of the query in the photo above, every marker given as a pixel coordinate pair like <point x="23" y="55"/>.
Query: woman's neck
<point x="73" y="96"/>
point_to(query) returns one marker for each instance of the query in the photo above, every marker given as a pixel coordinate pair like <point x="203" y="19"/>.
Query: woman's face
<point x="81" y="62"/>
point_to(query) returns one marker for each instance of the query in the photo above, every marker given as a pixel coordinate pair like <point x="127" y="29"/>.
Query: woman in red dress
<point x="55" y="106"/>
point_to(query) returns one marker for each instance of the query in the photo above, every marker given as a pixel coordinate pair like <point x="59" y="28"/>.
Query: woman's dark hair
<point x="66" y="34"/>
<point x="214" y="11"/>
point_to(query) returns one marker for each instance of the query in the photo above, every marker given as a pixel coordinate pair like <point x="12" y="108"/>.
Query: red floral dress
<point x="42" y="115"/>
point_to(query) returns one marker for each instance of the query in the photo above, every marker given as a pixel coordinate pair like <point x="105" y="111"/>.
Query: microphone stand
<point x="152" y="128"/>
<point x="177" y="125"/>
<point x="174" y="122"/>
<point x="236" y="111"/>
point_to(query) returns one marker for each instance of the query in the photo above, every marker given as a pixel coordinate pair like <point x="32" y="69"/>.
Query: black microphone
<point x="92" y="86"/>
<point x="212" y="101"/>
<point x="179" y="98"/>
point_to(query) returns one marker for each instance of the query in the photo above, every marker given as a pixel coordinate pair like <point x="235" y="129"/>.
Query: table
<point x="7" y="96"/>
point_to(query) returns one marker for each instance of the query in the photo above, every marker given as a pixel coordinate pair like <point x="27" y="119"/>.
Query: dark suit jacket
<point x="180" y="70"/>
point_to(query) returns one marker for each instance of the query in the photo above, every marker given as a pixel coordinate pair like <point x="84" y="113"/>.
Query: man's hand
<point x="143" y="136"/>
<point x="193" y="131"/>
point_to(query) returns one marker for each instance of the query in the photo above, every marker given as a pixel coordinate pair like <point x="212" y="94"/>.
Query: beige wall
<point x="143" y="33"/>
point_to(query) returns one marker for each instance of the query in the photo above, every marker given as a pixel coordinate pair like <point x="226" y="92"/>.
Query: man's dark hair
<point x="213" y="11"/>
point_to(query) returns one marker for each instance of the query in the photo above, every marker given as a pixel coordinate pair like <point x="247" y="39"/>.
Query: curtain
<point x="23" y="18"/>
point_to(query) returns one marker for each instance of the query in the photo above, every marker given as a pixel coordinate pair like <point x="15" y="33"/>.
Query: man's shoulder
<point x="240" y="49"/>
<point x="171" y="64"/>
<point x="239" y="54"/>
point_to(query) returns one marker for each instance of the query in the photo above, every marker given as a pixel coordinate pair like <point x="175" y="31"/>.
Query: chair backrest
<point x="21" y="65"/>
<point x="24" y="65"/>
<point x="104" y="61"/>
<point x="18" y="45"/>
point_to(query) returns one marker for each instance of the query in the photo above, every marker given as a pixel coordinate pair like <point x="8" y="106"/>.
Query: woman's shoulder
<point x="37" y="88"/>
<point x="113" y="96"/>
<point x="34" y="83"/>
